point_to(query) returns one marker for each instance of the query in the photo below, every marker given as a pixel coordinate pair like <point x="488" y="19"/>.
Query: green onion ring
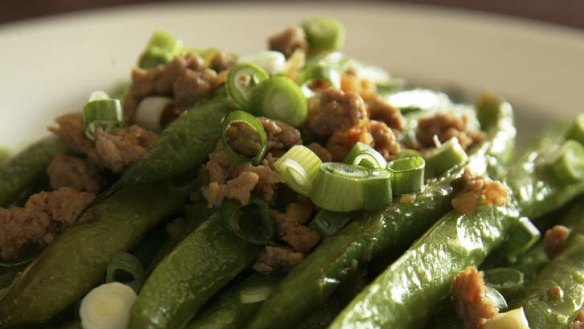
<point x="407" y="175"/>
<point x="127" y="269"/>
<point x="522" y="237"/>
<point x="298" y="168"/>
<point x="320" y="72"/>
<point x="576" y="132"/>
<point x="241" y="80"/>
<point x="251" y="222"/>
<point x="252" y="122"/>
<point x="567" y="164"/>
<point x="366" y="156"/>
<point x="104" y="113"/>
<point x="323" y="33"/>
<point x="280" y="98"/>
<point x="508" y="281"/>
<point x="445" y="157"/>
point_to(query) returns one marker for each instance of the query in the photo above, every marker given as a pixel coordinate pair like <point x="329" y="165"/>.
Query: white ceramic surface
<point x="50" y="66"/>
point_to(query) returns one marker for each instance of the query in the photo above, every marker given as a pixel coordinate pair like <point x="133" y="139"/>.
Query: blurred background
<point x="562" y="12"/>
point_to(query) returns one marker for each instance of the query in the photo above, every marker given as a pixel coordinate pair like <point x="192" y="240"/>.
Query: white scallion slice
<point x="107" y="307"/>
<point x="150" y="110"/>
<point x="272" y="62"/>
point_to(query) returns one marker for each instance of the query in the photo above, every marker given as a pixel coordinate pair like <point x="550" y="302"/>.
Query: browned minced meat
<point x="578" y="321"/>
<point x="243" y="139"/>
<point x="291" y="227"/>
<point x="321" y="152"/>
<point x="337" y="111"/>
<point x="470" y="301"/>
<point x="384" y="141"/>
<point x="75" y="173"/>
<point x="277" y="259"/>
<point x="115" y="151"/>
<point x="44" y="215"/>
<point x="555" y="292"/>
<point x="223" y="61"/>
<point x="227" y="180"/>
<point x="288" y="40"/>
<point x="185" y="78"/>
<point x="446" y="126"/>
<point x="554" y="240"/>
<point x="339" y="145"/>
<point x="381" y="111"/>
<point x="477" y="189"/>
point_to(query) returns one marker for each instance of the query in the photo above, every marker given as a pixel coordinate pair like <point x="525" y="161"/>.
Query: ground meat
<point x="554" y="240"/>
<point x="381" y="111"/>
<point x="296" y="214"/>
<point x="114" y="151"/>
<point x="23" y="230"/>
<point x="276" y="258"/>
<point x="337" y="111"/>
<point x="72" y="131"/>
<point x="162" y="81"/>
<point x="470" y="302"/>
<point x="555" y="292"/>
<point x="477" y="189"/>
<point x="301" y="238"/>
<point x="243" y="139"/>
<point x="351" y="82"/>
<point x="578" y="321"/>
<point x="281" y="136"/>
<point x="321" y="152"/>
<point x="193" y="86"/>
<point x="223" y="61"/>
<point x="288" y="41"/>
<point x="446" y="126"/>
<point x="121" y="148"/>
<point x="75" y="173"/>
<point x="384" y="141"/>
<point x="339" y="145"/>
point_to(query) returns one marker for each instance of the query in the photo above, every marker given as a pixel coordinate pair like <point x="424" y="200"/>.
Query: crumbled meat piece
<point x="301" y="238"/>
<point x="381" y="111"/>
<point x="363" y="87"/>
<point x="470" y="302"/>
<point x="321" y="152"/>
<point x="477" y="189"/>
<point x="75" y="173"/>
<point x="407" y="199"/>
<point x="238" y="188"/>
<point x="554" y="240"/>
<point x="337" y="111"/>
<point x="281" y="136"/>
<point x="122" y="147"/>
<point x="115" y="151"/>
<point x="578" y="321"/>
<point x="296" y="214"/>
<point x="44" y="215"/>
<point x="446" y="126"/>
<point x="193" y="86"/>
<point x="72" y="132"/>
<point x="276" y="258"/>
<point x="288" y="41"/>
<point x="384" y="141"/>
<point x="555" y="292"/>
<point x="161" y="81"/>
<point x="218" y="168"/>
<point x="339" y="145"/>
<point x="223" y="61"/>
<point x="243" y="139"/>
<point x="579" y="316"/>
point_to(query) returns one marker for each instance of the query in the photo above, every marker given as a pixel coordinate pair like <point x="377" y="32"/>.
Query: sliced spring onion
<point x="161" y="49"/>
<point x="103" y="112"/>
<point x="107" y="306"/>
<point x="255" y="294"/>
<point x="514" y="319"/>
<point x="15" y="263"/>
<point x="319" y="72"/>
<point x="272" y="62"/>
<point x="487" y="108"/>
<point x="497" y="298"/>
<point x="323" y="33"/>
<point x="522" y="237"/>
<point x="127" y="269"/>
<point x="419" y="100"/>
<point x="366" y="156"/>
<point x="251" y="222"/>
<point x="150" y="110"/>
<point x="508" y="281"/>
<point x="576" y="132"/>
<point x="342" y="187"/>
<point x="241" y="80"/>
<point x="445" y="157"/>
<point x="407" y="175"/>
<point x="280" y="98"/>
<point x="299" y="167"/>
<point x="327" y="223"/>
<point x="255" y="140"/>
<point x="567" y="164"/>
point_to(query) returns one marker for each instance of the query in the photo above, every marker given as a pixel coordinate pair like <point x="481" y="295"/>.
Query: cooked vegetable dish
<point x="290" y="188"/>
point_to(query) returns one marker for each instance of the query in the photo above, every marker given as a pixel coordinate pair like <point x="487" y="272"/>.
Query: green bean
<point x="25" y="168"/>
<point x="76" y="260"/>
<point x="406" y="292"/>
<point x="549" y="309"/>
<point x="370" y="236"/>
<point x="228" y="312"/>
<point x="197" y="269"/>
<point x="181" y="147"/>
<point x="537" y="193"/>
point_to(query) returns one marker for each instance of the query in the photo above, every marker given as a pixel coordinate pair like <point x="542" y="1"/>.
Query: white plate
<point x="50" y="66"/>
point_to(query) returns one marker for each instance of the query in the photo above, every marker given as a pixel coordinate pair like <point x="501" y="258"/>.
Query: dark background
<point x="562" y="12"/>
